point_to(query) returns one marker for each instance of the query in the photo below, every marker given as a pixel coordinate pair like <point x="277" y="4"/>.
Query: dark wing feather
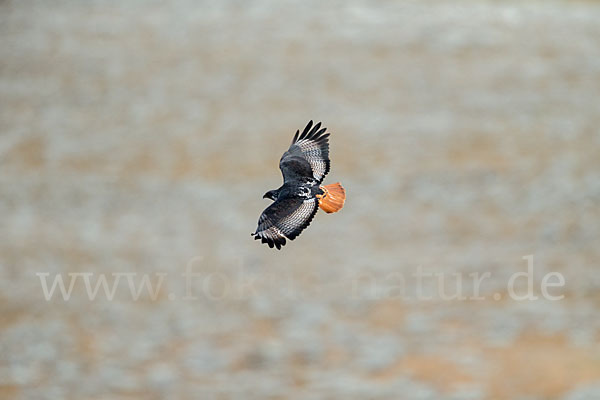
<point x="308" y="156"/>
<point x="285" y="219"/>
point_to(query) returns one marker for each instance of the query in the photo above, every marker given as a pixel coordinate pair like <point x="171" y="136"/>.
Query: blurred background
<point x="138" y="138"/>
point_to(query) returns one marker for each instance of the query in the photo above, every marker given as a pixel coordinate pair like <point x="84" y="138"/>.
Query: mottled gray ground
<point x="138" y="137"/>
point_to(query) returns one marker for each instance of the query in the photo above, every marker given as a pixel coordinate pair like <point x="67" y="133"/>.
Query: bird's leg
<point x="325" y="193"/>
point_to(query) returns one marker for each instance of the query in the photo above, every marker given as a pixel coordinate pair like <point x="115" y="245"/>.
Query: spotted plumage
<point x="303" y="166"/>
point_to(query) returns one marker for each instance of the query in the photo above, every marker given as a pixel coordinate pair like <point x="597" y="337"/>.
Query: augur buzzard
<point x="296" y="202"/>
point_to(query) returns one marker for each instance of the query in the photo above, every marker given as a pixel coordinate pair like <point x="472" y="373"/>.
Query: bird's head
<point x="271" y="194"/>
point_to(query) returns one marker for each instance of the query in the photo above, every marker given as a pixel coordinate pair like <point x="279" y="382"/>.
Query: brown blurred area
<point x="138" y="137"/>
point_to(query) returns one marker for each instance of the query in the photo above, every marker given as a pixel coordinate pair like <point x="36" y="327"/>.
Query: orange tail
<point x="333" y="199"/>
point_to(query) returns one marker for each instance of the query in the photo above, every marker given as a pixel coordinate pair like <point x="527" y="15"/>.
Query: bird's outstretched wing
<point x="285" y="219"/>
<point x="308" y="156"/>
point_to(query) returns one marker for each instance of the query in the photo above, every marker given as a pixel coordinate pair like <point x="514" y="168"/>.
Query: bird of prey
<point x="304" y="166"/>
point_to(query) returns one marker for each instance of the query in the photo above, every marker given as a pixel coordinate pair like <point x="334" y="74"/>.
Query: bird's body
<point x="296" y="202"/>
<point x="303" y="189"/>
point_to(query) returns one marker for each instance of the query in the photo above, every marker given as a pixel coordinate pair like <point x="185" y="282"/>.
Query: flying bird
<point x="303" y="166"/>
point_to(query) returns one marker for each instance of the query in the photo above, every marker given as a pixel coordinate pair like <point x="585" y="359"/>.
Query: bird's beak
<point x="265" y="196"/>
